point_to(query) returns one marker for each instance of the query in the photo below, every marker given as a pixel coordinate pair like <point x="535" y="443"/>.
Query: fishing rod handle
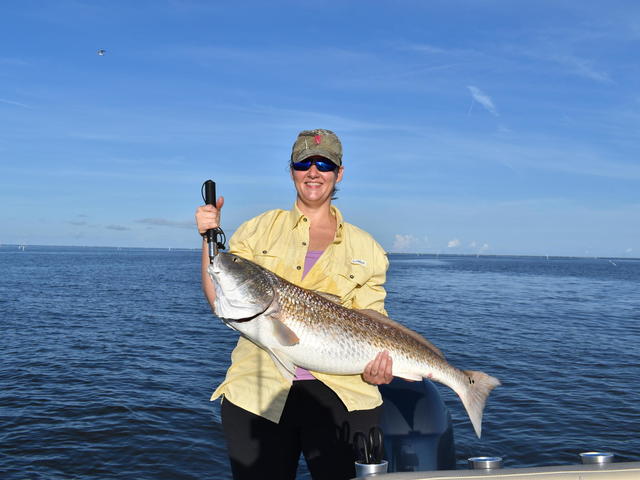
<point x="210" y="199"/>
<point x="210" y="192"/>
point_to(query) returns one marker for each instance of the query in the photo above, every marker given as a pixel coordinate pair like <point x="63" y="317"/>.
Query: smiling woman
<point x="313" y="247"/>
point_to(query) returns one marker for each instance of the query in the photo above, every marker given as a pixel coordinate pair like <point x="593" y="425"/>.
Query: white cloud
<point x="453" y="243"/>
<point x="483" y="99"/>
<point x="404" y="243"/>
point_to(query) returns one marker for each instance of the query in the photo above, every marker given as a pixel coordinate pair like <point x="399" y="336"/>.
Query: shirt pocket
<point x="349" y="280"/>
<point x="265" y="259"/>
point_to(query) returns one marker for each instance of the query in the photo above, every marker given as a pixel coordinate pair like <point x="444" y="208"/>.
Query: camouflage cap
<point x="318" y="142"/>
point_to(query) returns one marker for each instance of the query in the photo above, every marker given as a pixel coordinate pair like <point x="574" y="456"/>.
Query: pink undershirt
<point x="309" y="261"/>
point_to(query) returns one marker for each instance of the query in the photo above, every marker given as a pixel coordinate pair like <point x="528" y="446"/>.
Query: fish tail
<point x="473" y="393"/>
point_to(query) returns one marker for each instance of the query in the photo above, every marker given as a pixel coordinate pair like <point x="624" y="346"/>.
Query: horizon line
<point x="433" y="254"/>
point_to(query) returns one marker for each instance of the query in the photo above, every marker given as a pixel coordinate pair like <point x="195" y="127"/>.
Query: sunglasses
<point x="322" y="164"/>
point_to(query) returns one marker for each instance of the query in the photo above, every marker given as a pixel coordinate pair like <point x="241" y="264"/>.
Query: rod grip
<point x="210" y="192"/>
<point x="210" y="199"/>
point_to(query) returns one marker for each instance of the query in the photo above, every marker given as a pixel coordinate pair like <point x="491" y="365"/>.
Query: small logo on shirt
<point x="357" y="261"/>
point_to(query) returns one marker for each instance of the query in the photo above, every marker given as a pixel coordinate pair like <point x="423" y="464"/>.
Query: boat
<point x="419" y="445"/>
<point x="609" y="471"/>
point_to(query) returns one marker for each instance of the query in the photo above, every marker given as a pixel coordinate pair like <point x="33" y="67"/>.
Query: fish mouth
<point x="213" y="269"/>
<point x="215" y="266"/>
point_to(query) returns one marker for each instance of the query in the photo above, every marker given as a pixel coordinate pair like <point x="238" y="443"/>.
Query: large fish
<point x="298" y="327"/>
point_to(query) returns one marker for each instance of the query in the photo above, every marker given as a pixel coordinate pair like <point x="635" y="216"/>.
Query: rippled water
<point x="108" y="358"/>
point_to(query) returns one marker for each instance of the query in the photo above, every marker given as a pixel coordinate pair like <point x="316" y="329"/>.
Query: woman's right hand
<point x="208" y="216"/>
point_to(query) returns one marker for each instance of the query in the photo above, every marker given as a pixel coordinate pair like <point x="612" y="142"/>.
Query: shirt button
<point x="304" y="219"/>
<point x="299" y="267"/>
<point x="350" y="276"/>
<point x="304" y="243"/>
<point x="264" y="251"/>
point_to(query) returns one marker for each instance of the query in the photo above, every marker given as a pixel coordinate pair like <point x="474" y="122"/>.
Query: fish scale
<point x="316" y="319"/>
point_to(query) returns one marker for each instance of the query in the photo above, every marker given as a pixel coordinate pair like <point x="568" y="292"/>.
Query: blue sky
<point x="498" y="127"/>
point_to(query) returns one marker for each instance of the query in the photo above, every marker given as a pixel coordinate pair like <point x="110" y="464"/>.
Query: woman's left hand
<point x="378" y="371"/>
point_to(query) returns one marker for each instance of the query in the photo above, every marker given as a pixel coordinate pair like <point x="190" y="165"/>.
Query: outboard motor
<point x="418" y="433"/>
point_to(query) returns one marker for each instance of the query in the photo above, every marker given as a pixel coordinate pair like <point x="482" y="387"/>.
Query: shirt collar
<point x="296" y="216"/>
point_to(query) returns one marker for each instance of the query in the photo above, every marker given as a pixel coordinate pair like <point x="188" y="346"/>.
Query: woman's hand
<point x="208" y="216"/>
<point x="378" y="371"/>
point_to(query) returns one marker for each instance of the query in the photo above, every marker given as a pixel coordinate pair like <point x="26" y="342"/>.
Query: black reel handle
<point x="215" y="236"/>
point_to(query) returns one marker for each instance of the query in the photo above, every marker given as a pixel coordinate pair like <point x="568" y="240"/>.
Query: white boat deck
<point x="611" y="471"/>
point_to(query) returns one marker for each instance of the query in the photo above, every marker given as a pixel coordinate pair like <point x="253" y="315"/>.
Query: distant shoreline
<point x="25" y="247"/>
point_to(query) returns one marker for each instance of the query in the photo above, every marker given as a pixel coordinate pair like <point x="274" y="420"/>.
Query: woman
<point x="268" y="421"/>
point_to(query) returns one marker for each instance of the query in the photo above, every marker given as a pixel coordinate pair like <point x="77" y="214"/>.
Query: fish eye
<point x="235" y="259"/>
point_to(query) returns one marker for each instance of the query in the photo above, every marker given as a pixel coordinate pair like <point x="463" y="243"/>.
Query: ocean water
<point x="108" y="358"/>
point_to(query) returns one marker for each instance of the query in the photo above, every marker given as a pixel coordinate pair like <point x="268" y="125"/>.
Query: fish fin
<point x="285" y="336"/>
<point x="416" y="336"/>
<point x="408" y="376"/>
<point x="329" y="296"/>
<point x="474" y="395"/>
<point x="286" y="368"/>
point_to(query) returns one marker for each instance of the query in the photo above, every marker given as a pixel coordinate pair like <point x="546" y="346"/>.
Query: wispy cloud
<point x="260" y="56"/>
<point x="428" y="49"/>
<point x="16" y="104"/>
<point x="163" y="222"/>
<point x="557" y="49"/>
<point x="585" y="68"/>
<point x="119" y="228"/>
<point x="483" y="99"/>
<point x="13" y="62"/>
<point x="424" y="48"/>
<point x="577" y="66"/>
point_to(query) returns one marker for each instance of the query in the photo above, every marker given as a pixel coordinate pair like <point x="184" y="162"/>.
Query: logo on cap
<point x="318" y="139"/>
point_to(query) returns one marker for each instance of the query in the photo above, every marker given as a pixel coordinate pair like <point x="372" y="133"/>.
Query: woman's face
<point x="313" y="186"/>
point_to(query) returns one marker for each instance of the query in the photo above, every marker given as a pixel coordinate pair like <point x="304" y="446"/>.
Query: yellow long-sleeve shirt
<point x="353" y="267"/>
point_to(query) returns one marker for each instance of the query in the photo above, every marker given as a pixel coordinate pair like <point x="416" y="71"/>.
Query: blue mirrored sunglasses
<point x="322" y="164"/>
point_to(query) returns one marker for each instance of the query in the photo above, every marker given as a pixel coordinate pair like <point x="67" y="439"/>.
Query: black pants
<point x="314" y="422"/>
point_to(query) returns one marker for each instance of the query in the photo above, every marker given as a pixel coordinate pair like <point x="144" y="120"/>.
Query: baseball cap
<point x="318" y="142"/>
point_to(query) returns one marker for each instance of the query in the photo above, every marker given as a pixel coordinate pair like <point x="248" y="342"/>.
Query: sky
<point x="468" y="127"/>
